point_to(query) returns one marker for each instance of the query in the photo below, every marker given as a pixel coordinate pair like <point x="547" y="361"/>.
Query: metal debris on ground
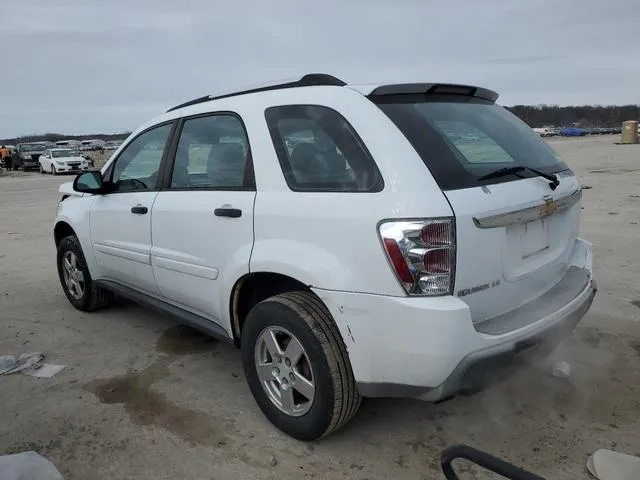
<point x="561" y="370"/>
<point x="29" y="364"/>
<point x="27" y="466"/>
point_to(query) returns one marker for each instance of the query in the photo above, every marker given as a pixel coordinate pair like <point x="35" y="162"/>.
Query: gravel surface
<point x="143" y="398"/>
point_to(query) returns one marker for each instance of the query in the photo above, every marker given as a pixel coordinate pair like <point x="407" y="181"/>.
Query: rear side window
<point x="460" y="139"/>
<point x="213" y="153"/>
<point x="319" y="151"/>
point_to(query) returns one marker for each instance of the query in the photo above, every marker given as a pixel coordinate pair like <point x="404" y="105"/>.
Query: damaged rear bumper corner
<point x="484" y="368"/>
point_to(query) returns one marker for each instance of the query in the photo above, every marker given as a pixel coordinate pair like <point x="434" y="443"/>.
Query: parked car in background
<point x="27" y="155"/>
<point x="62" y="160"/>
<point x="403" y="240"/>
<point x="112" y="145"/>
<point x="573" y="132"/>
<point x="544" y="132"/>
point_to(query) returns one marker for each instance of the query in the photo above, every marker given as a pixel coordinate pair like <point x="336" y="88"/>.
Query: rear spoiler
<point x="434" y="89"/>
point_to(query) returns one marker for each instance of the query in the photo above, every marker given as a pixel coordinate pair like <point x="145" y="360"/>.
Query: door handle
<point x="139" y="209"/>
<point x="228" y="212"/>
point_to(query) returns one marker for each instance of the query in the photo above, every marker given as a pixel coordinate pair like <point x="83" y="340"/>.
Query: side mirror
<point x="88" y="182"/>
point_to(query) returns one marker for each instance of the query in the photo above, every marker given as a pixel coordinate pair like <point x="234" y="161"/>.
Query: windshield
<point x="62" y="153"/>
<point x="34" y="147"/>
<point x="461" y="139"/>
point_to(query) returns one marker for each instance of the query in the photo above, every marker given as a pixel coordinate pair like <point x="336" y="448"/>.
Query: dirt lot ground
<point x="142" y="398"/>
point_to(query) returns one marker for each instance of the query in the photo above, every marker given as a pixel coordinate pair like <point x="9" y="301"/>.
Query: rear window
<point x="461" y="139"/>
<point x="319" y="151"/>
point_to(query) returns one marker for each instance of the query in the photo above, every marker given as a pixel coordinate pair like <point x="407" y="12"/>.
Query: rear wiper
<point x="502" y="172"/>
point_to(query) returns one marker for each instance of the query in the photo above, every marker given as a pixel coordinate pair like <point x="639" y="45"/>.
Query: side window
<point x="319" y="150"/>
<point x="137" y="166"/>
<point x="212" y="153"/>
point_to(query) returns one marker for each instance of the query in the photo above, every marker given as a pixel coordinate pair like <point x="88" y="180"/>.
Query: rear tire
<point x="304" y="318"/>
<point x="41" y="169"/>
<point x="76" y="281"/>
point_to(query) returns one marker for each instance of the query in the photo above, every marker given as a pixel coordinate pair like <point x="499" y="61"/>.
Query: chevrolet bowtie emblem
<point x="549" y="207"/>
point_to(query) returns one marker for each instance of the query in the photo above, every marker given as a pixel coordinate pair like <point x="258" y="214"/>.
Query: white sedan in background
<point x="62" y="160"/>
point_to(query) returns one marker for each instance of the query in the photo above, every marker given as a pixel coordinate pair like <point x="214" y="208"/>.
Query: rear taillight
<point x="422" y="254"/>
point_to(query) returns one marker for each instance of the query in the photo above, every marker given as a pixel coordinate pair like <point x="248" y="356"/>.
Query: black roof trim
<point x="435" y="89"/>
<point x="309" y="80"/>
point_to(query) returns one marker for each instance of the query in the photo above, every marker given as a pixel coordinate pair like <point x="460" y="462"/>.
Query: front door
<point x="202" y="222"/>
<point x="121" y="219"/>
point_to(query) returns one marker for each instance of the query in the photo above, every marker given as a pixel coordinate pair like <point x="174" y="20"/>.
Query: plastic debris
<point x="29" y="364"/>
<point x="609" y="465"/>
<point x="43" y="370"/>
<point x="17" y="363"/>
<point x="28" y="466"/>
<point x="561" y="370"/>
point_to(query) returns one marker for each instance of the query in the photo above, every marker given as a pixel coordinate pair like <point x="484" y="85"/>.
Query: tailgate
<point x="516" y="203"/>
<point x="514" y="241"/>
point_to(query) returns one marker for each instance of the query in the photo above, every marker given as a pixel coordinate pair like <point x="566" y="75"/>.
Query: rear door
<point x="515" y="233"/>
<point x="202" y="221"/>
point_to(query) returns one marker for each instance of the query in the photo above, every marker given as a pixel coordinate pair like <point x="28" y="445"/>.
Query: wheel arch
<point x="61" y="230"/>
<point x="254" y="287"/>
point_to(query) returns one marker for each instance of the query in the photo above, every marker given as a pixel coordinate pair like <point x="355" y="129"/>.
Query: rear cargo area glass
<point x="461" y="139"/>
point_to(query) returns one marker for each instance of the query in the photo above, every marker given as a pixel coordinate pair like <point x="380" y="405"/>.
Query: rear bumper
<point x="485" y="367"/>
<point x="429" y="348"/>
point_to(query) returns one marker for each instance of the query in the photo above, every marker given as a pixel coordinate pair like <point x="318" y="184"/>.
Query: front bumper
<point x="68" y="169"/>
<point x="429" y="348"/>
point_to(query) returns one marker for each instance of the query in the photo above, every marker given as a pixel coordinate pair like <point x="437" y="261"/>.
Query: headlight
<point x="61" y="164"/>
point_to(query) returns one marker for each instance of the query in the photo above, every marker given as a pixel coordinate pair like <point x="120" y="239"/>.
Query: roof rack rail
<point x="308" y="80"/>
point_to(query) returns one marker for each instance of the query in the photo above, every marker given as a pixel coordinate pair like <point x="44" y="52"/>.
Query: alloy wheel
<point x="73" y="276"/>
<point x="284" y="371"/>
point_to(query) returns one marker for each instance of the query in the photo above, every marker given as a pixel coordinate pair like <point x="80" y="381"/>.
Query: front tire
<point x="76" y="280"/>
<point x="297" y="366"/>
<point x="53" y="170"/>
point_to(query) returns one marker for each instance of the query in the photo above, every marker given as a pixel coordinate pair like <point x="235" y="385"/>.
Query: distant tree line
<point x="587" y="116"/>
<point x="54" y="137"/>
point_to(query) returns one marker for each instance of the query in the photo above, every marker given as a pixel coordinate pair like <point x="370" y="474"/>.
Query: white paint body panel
<point x="196" y="256"/>
<point x="526" y="260"/>
<point x="121" y="240"/>
<point x="420" y="341"/>
<point x="181" y="253"/>
<point x="330" y="240"/>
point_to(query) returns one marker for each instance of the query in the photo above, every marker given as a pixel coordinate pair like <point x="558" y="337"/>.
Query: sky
<point x="104" y="66"/>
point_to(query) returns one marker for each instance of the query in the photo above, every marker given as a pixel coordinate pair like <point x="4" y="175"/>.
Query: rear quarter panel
<point x="330" y="240"/>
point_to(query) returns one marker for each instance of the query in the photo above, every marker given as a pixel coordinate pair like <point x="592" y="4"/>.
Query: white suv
<point x="409" y="240"/>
